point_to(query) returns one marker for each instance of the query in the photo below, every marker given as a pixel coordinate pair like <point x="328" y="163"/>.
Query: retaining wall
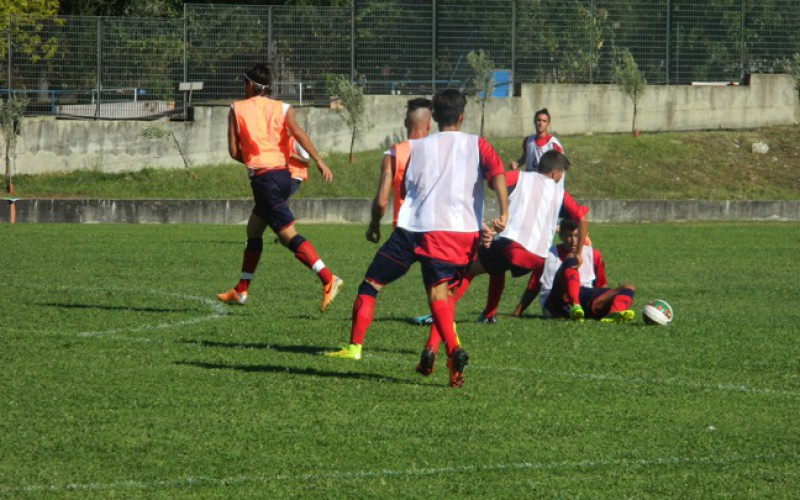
<point x="357" y="211"/>
<point x="50" y="145"/>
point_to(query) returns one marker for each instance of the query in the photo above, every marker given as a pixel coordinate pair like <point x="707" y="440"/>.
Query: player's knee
<point x="367" y="288"/>
<point x="627" y="290"/>
<point x="295" y="242"/>
<point x="255" y="244"/>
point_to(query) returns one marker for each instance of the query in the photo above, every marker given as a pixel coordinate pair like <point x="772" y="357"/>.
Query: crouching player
<point x="572" y="288"/>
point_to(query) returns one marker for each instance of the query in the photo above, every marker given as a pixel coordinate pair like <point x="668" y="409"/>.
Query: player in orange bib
<point x="396" y="255"/>
<point x="260" y="130"/>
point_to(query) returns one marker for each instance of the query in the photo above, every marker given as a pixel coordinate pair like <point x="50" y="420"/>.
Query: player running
<point x="259" y="131"/>
<point x="395" y="257"/>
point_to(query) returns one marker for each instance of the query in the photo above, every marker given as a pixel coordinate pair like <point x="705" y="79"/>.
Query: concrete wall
<point x="357" y="211"/>
<point x="50" y="145"/>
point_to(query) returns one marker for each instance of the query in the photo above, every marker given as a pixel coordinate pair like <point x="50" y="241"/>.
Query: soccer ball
<point x="657" y="312"/>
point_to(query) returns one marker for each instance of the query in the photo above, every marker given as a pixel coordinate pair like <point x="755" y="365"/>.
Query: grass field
<point x="708" y="165"/>
<point x="121" y="376"/>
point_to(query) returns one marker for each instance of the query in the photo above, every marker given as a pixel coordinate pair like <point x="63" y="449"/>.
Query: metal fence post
<point x="513" y="47"/>
<point x="185" y="51"/>
<point x="742" y="52"/>
<point x="10" y="52"/>
<point x="269" y="34"/>
<point x="669" y="38"/>
<point x="591" y="41"/>
<point x="353" y="41"/>
<point x="99" y="65"/>
<point x="433" y="48"/>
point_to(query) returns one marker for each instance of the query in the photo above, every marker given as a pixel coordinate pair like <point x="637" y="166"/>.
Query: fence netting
<point x="131" y="68"/>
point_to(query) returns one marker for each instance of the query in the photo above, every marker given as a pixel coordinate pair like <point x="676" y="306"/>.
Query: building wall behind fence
<point x="50" y="145"/>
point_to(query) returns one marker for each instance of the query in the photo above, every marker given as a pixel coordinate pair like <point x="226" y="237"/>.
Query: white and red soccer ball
<point x="657" y="312"/>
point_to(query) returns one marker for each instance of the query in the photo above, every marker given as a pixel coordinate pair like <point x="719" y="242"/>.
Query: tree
<point x="26" y="25"/>
<point x="352" y="110"/>
<point x="11" y="111"/>
<point x="632" y="81"/>
<point x="482" y="79"/>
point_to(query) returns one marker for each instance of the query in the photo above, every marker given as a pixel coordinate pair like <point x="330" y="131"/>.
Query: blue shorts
<point x="436" y="271"/>
<point x="557" y="307"/>
<point x="271" y="191"/>
<point x="393" y="259"/>
<point x="506" y="255"/>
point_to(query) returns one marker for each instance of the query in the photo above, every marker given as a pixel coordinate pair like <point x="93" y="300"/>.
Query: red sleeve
<point x="491" y="164"/>
<point x="571" y="209"/>
<point x="512" y="176"/>
<point x="557" y="147"/>
<point x="600" y="280"/>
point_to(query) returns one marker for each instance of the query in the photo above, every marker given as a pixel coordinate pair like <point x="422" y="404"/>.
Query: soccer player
<point x="443" y="206"/>
<point x="394" y="258"/>
<point x="576" y="288"/>
<point x="259" y="131"/>
<point x="534" y="146"/>
<point x="535" y="202"/>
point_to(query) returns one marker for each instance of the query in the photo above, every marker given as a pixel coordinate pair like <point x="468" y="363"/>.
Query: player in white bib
<point x="443" y="207"/>
<point x="574" y="292"/>
<point x="534" y="146"/>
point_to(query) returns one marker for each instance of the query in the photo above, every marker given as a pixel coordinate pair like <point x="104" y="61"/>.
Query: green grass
<point x="714" y="165"/>
<point x="122" y="376"/>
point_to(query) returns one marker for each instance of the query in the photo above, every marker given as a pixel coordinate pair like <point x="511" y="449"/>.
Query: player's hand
<point x="487" y="235"/>
<point x="499" y="223"/>
<point x="373" y="233"/>
<point x="513" y="165"/>
<point x="325" y="171"/>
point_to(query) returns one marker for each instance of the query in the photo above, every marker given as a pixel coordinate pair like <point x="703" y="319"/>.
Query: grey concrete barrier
<point x="357" y="211"/>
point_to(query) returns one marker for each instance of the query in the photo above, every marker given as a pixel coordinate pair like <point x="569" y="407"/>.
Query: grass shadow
<point x="294" y="349"/>
<point x="311" y="372"/>
<point x="117" y="308"/>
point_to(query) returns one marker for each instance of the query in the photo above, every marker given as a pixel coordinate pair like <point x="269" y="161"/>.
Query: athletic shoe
<point x="352" y="351"/>
<point x="426" y="361"/>
<point x="487" y="319"/>
<point x="619" y="317"/>
<point x="576" y="313"/>
<point x="329" y="292"/>
<point x="422" y="320"/>
<point x="233" y="297"/>
<point x="456" y="364"/>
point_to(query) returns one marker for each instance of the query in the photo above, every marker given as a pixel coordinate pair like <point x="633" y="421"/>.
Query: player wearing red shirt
<point x="397" y="255"/>
<point x="444" y="208"/>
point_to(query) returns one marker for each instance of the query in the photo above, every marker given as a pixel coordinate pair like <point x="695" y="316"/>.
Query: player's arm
<point x="523" y="157"/>
<point x="234" y="148"/>
<point x="301" y="137"/>
<point x="381" y="200"/>
<point x="600" y="280"/>
<point x="530" y="293"/>
<point x="493" y="171"/>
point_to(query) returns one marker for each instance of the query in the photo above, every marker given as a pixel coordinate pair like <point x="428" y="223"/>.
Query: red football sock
<point x="307" y="255"/>
<point x="434" y="339"/>
<point x="620" y="303"/>
<point x="363" y="309"/>
<point x="249" y="264"/>
<point x="462" y="286"/>
<point x="573" y="282"/>
<point x="443" y="314"/>
<point x="497" y="283"/>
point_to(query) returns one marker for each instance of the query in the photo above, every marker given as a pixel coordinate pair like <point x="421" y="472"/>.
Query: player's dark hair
<point x="448" y="105"/>
<point x="567" y="225"/>
<point x="417" y="103"/>
<point x="553" y="161"/>
<point x="542" y="111"/>
<point x="261" y="78"/>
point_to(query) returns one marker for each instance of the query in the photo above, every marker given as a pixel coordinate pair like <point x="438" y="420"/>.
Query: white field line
<point x="605" y="377"/>
<point x="389" y="473"/>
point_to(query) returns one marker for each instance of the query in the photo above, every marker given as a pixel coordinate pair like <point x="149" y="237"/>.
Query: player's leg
<point x="437" y="276"/>
<point x="615" y="305"/>
<point x="390" y="264"/>
<point x="250" y="258"/>
<point x="530" y="293"/>
<point x="564" y="298"/>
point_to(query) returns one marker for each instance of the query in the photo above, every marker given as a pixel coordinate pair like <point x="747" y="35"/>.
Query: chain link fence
<point x="130" y="68"/>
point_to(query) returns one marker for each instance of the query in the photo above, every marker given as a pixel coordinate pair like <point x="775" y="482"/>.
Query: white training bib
<point x="533" y="209"/>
